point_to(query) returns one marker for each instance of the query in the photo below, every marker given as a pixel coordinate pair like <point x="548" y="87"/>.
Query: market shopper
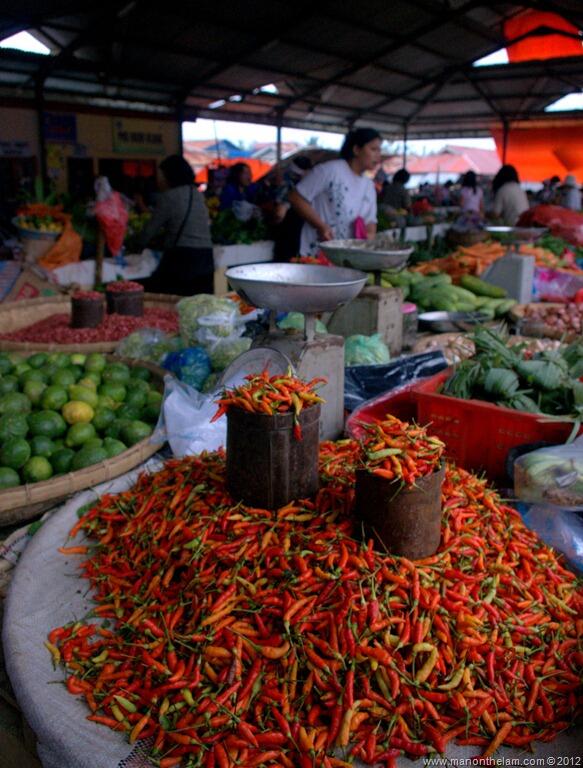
<point x="570" y="193"/>
<point x="510" y="200"/>
<point x="335" y="194"/>
<point x="186" y="267"/>
<point x="471" y="195"/>
<point x="238" y="187"/>
<point x="394" y="196"/>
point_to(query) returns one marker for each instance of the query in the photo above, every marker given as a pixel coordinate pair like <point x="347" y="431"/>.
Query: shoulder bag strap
<point x="186" y="215"/>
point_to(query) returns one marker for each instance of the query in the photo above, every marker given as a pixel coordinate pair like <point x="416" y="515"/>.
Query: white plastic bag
<point x="559" y="528"/>
<point x="185" y="419"/>
<point x="551" y="476"/>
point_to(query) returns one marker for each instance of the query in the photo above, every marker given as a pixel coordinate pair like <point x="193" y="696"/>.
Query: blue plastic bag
<point x="191" y="365"/>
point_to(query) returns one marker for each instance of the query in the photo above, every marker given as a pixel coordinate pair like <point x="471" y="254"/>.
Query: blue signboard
<point x="60" y="127"/>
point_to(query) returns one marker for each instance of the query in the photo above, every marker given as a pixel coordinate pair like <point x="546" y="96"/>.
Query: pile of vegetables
<point x="437" y="292"/>
<point x="566" y="319"/>
<point x="240" y="636"/>
<point x="61" y="413"/>
<point x="39" y="217"/>
<point x="465" y="260"/>
<point x="227" y="229"/>
<point x="396" y="450"/>
<point x="56" y="329"/>
<point x="547" y="383"/>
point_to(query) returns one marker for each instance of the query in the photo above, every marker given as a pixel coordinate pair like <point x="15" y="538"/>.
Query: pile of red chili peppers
<point x="269" y="396"/>
<point x="396" y="450"/>
<point x="239" y="636"/>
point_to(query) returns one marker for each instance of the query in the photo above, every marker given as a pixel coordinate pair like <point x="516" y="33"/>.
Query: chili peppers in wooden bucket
<point x="406" y="521"/>
<point x="272" y="439"/>
<point x="125" y="297"/>
<point x="398" y="487"/>
<point x="87" y="309"/>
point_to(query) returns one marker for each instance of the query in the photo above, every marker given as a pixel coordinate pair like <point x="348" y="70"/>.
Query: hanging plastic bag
<point x="360" y="231"/>
<point x="366" y="350"/>
<point x="551" y="476"/>
<point x="205" y="317"/>
<point x="559" y="528"/>
<point x="111" y="214"/>
<point x="185" y="420"/>
<point x="191" y="366"/>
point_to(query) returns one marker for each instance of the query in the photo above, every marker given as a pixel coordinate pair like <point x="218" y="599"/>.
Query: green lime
<point x="103" y="418"/>
<point x="94" y="442"/>
<point x="129" y="412"/>
<point x="15" y="402"/>
<point x="34" y="391"/>
<point x="155" y="397"/>
<point x="41" y="445"/>
<point x="93" y="376"/>
<point x="95" y="362"/>
<point x="118" y="373"/>
<point x="32" y="375"/>
<point x="21" y="367"/>
<point x="46" y="423"/>
<point x="79" y="433"/>
<point x="111" y="389"/>
<point x="88" y="455"/>
<point x="135" y="431"/>
<point x="37" y="360"/>
<point x="60" y="359"/>
<point x="61" y="460"/>
<point x="58" y="444"/>
<point x="104" y="401"/>
<point x="139" y="372"/>
<point x="83" y="395"/>
<point x="12" y="425"/>
<point x="64" y="377"/>
<point x="76" y="410"/>
<point x="150" y="413"/>
<point x="8" y="384"/>
<point x="8" y="477"/>
<point x="87" y="383"/>
<point x="37" y="469"/>
<point x="115" y="428"/>
<point x="15" y="453"/>
<point x="78" y="358"/>
<point x="77" y="370"/>
<point x="6" y="364"/>
<point x="54" y="397"/>
<point x="113" y="447"/>
<point x="135" y="398"/>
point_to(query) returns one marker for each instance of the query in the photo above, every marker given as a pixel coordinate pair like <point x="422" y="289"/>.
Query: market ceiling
<point x="335" y="64"/>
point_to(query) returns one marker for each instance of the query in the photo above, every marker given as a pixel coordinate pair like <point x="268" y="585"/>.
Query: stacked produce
<point x="467" y="260"/>
<point x="566" y="319"/>
<point x="60" y="413"/>
<point x="437" y="292"/>
<point x="38" y="217"/>
<point x="397" y="450"/>
<point x="547" y="383"/>
<point x="239" y="636"/>
<point x="269" y="395"/>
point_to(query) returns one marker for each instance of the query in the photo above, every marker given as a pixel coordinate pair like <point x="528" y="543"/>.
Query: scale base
<point x="322" y="356"/>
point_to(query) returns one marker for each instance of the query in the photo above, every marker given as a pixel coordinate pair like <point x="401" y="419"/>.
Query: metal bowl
<point x="519" y="234"/>
<point x="368" y="255"/>
<point x="446" y="322"/>
<point x="296" y="287"/>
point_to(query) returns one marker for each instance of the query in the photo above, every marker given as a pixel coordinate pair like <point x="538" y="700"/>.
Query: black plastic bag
<point x="363" y="382"/>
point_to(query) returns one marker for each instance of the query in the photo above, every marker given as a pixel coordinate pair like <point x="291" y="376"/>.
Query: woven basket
<point x="466" y="238"/>
<point x="19" y="314"/>
<point x="27" y="501"/>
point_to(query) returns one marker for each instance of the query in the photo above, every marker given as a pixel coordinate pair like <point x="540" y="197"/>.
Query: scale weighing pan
<point x="307" y="288"/>
<point x="519" y="234"/>
<point x="369" y="255"/>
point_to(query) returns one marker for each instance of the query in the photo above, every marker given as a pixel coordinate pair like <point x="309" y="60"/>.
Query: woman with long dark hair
<point x="238" y="186"/>
<point x="334" y="194"/>
<point x="187" y="262"/>
<point x="510" y="199"/>
<point x="471" y="195"/>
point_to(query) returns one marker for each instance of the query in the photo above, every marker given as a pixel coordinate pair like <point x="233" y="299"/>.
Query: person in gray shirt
<point x="186" y="267"/>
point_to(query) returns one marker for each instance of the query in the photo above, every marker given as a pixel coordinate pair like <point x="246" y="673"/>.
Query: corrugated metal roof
<point x="336" y="63"/>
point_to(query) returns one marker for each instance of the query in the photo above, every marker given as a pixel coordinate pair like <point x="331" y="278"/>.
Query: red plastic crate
<point x="478" y="435"/>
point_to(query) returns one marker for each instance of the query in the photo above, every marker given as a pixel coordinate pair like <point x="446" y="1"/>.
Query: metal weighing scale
<point x="377" y="309"/>
<point x="513" y="271"/>
<point x="310" y="289"/>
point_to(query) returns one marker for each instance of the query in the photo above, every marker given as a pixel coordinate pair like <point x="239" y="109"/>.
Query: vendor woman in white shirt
<point x="335" y="194"/>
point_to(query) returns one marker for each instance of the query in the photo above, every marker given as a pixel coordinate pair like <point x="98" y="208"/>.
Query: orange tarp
<point x="541" y="152"/>
<point x="540" y="46"/>
<point x="258" y="167"/>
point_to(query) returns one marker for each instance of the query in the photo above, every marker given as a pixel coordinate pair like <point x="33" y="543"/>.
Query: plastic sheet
<point x="191" y="365"/>
<point x="366" y="350"/>
<point x="560" y="528"/>
<point x="363" y="382"/>
<point x="551" y="475"/>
